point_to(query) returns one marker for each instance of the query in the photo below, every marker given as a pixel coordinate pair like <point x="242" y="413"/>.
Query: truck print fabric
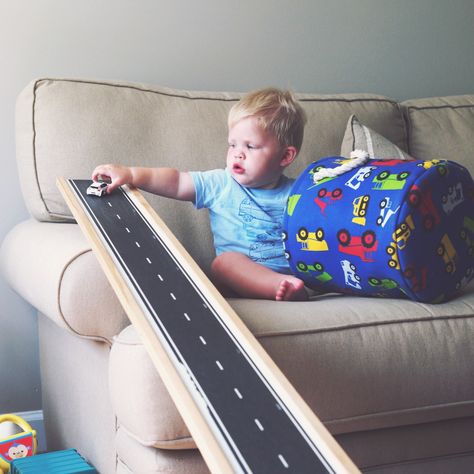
<point x="390" y="228"/>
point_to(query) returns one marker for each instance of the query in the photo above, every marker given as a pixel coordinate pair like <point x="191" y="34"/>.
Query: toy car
<point x="97" y="188"/>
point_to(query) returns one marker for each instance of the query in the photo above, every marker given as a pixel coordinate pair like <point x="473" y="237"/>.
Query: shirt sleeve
<point x="209" y="186"/>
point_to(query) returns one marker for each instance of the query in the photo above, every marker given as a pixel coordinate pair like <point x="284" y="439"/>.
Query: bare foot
<point x="291" y="289"/>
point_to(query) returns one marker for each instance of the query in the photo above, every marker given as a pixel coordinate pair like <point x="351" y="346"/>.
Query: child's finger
<point x="102" y="172"/>
<point x="96" y="175"/>
<point x="111" y="186"/>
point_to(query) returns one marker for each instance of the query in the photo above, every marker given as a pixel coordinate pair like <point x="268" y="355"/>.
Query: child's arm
<point x="167" y="182"/>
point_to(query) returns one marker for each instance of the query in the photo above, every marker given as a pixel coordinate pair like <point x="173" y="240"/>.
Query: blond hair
<point x="278" y="112"/>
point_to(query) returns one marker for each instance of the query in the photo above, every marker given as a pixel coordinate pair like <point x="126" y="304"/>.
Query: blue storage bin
<point x="388" y="228"/>
<point x="68" y="461"/>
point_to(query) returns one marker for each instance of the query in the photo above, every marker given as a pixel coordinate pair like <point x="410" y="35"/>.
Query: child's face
<point x="254" y="157"/>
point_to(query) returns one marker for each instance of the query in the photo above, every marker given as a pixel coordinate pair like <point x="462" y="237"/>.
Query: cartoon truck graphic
<point x="427" y="164"/>
<point x="249" y="212"/>
<point x="266" y="250"/>
<point x="417" y="276"/>
<point x="468" y="224"/>
<point x="403" y="232"/>
<point x="317" y="267"/>
<point x="448" y="253"/>
<point x="359" y="177"/>
<point x="423" y="202"/>
<point x="386" y="211"/>
<point x="292" y="202"/>
<point x="387" y="181"/>
<point x="393" y="261"/>
<point x="440" y="166"/>
<point x="351" y="278"/>
<point x="467" y="277"/>
<point x="312" y="241"/>
<point x="329" y="198"/>
<point x="392" y="162"/>
<point x="314" y="170"/>
<point x="361" y="204"/>
<point x="467" y="234"/>
<point x="382" y="283"/>
<point x="360" y="246"/>
<point x="453" y="198"/>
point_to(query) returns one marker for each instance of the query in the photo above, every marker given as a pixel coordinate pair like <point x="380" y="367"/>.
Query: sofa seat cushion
<point x="372" y="363"/>
<point x="53" y="268"/>
<point x="368" y="364"/>
<point x="460" y="463"/>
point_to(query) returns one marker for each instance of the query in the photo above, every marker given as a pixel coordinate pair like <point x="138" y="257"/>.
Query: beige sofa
<point x="392" y="379"/>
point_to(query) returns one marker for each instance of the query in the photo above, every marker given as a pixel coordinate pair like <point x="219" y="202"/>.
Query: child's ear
<point x="289" y="156"/>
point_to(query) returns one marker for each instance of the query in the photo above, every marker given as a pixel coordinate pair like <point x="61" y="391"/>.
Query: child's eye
<point x="251" y="147"/>
<point x="231" y="145"/>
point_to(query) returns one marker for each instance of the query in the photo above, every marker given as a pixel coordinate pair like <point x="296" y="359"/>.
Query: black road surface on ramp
<point x="258" y="429"/>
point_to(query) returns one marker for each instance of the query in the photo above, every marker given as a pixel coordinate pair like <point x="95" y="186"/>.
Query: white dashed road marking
<point x="283" y="461"/>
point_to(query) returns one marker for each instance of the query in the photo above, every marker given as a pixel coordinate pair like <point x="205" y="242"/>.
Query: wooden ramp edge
<point x="205" y="439"/>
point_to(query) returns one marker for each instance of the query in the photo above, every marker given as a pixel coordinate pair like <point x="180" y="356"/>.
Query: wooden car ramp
<point x="242" y="412"/>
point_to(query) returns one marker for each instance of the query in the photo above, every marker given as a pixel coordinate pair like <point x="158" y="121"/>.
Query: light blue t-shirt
<point x="243" y="219"/>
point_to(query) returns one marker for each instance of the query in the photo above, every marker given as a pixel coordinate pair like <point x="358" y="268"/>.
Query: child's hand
<point x="116" y="174"/>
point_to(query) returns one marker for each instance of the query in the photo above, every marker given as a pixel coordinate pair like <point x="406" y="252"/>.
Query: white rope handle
<point x="358" y="158"/>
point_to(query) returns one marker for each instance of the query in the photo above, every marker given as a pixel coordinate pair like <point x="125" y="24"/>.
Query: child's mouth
<point x="236" y="168"/>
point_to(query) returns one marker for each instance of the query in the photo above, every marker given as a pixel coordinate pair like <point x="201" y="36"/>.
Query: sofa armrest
<point x="51" y="266"/>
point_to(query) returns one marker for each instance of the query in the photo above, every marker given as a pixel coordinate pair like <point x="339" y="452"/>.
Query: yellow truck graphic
<point x="312" y="241"/>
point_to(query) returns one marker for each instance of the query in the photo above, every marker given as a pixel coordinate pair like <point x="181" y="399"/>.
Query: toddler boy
<point x="246" y="200"/>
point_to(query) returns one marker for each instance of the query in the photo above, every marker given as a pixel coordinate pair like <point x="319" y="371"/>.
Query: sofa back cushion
<point x="441" y="128"/>
<point x="66" y="127"/>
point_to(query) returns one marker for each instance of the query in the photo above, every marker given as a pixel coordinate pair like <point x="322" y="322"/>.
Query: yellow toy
<point x="19" y="445"/>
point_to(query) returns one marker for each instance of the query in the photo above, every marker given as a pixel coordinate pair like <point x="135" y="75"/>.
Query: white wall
<point x="403" y="49"/>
